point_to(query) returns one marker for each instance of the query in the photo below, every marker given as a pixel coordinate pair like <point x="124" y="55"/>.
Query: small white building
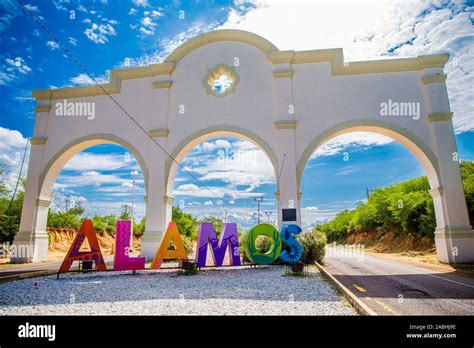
<point x="235" y="83"/>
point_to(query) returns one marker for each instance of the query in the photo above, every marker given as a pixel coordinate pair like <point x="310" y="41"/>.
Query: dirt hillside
<point x="389" y="242"/>
<point x="60" y="240"/>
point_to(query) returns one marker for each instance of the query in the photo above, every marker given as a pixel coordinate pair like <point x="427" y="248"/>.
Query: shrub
<point x="263" y="244"/>
<point x="314" y="246"/>
<point x="68" y="219"/>
<point x="242" y="240"/>
<point x="188" y="246"/>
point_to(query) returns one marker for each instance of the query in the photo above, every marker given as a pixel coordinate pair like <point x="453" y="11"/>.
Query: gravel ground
<point x="224" y="291"/>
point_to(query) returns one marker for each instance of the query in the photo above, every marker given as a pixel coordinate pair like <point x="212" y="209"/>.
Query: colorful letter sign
<point x="253" y="254"/>
<point x="172" y="234"/>
<point x="86" y="231"/>
<point x="229" y="241"/>
<point x="122" y="261"/>
<point x="288" y="233"/>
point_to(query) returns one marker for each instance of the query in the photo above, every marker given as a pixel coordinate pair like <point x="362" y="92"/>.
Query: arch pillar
<point x="31" y="242"/>
<point x="288" y="196"/>
<point x="158" y="207"/>
<point x="454" y="236"/>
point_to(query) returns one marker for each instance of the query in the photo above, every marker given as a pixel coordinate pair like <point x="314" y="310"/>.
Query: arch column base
<point x="150" y="242"/>
<point x="455" y="244"/>
<point x="30" y="247"/>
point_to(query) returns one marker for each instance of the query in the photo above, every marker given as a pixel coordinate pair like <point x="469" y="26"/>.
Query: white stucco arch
<point x="286" y="102"/>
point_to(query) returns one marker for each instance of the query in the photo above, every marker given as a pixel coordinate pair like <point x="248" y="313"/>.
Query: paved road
<point x="20" y="269"/>
<point x="398" y="288"/>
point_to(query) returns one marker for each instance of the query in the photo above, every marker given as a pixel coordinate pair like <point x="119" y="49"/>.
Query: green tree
<point x="125" y="212"/>
<point x="104" y="223"/>
<point x="139" y="229"/>
<point x="467" y="175"/>
<point x="69" y="219"/>
<point x="10" y="211"/>
<point x="186" y="223"/>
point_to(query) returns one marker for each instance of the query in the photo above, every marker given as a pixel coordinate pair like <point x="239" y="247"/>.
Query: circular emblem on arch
<point x="221" y="80"/>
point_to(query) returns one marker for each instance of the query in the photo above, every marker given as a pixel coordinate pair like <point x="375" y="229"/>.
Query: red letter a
<point x="86" y="231"/>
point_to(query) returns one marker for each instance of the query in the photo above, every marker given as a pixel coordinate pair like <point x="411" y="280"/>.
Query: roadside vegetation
<point x="403" y="209"/>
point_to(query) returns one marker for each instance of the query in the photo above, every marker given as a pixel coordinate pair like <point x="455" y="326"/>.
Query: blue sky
<point x="105" y="35"/>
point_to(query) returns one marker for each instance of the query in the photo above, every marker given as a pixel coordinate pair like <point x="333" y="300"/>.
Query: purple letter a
<point x="229" y="240"/>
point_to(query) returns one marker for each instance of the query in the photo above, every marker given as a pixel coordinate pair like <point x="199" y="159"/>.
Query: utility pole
<point x="367" y="192"/>
<point x="67" y="202"/>
<point x="258" y="200"/>
<point x="268" y="213"/>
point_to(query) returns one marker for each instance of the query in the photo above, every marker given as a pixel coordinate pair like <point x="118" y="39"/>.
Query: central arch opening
<point x="222" y="175"/>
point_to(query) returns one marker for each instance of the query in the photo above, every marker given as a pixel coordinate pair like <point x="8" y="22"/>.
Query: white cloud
<point x="52" y="45"/>
<point x="188" y="187"/>
<point x="311" y="216"/>
<point x="168" y="44"/>
<point x="147" y="22"/>
<point x="81" y="8"/>
<point x="146" y="31"/>
<point x="84" y="79"/>
<point x="13" y="68"/>
<point x="90" y="178"/>
<point x="209" y="146"/>
<point x="32" y="8"/>
<point x="17" y="65"/>
<point x="72" y="41"/>
<point x="99" y="33"/>
<point x="141" y="3"/>
<point x="153" y="13"/>
<point x="133" y="11"/>
<point x="87" y="161"/>
<point x="240" y="165"/>
<point x="223" y="192"/>
<point x="12" y="148"/>
<point x="361" y="140"/>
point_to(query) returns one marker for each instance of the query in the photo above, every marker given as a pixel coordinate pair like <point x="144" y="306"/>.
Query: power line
<point x="401" y="174"/>
<point x="391" y="180"/>
<point x="83" y="68"/>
